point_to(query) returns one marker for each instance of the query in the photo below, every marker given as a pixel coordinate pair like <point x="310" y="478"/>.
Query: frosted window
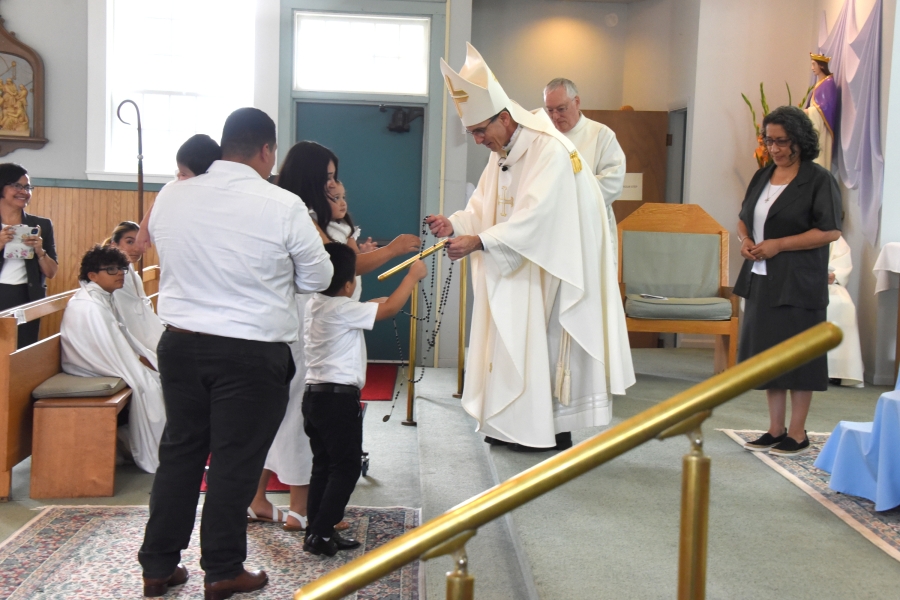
<point x="187" y="63"/>
<point x="363" y="54"/>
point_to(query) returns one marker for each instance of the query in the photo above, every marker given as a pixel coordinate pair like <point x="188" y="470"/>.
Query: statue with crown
<point x="548" y="345"/>
<point x="822" y="107"/>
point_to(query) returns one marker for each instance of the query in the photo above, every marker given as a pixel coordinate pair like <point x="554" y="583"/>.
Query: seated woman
<point x="844" y="362"/>
<point x="135" y="308"/>
<point x="96" y="344"/>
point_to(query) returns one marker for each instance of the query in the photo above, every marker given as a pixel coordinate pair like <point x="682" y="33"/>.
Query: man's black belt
<point x="332" y="388"/>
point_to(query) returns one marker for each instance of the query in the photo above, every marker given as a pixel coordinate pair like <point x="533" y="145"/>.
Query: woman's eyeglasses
<point x="22" y="188"/>
<point x="780" y="142"/>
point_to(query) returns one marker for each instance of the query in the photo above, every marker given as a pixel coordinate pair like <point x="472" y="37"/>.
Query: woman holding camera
<point x="23" y="279"/>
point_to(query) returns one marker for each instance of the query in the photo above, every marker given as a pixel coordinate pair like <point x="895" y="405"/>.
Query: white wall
<point x="57" y="31"/>
<point x="529" y="42"/>
<point x="660" y="54"/>
<point x="734" y="56"/>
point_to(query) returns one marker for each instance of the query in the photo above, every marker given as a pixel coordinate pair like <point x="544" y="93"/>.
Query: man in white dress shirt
<point x="232" y="250"/>
<point x="548" y="346"/>
<point x="596" y="144"/>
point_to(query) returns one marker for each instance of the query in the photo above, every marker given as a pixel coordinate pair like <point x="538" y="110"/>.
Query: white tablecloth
<point x="887" y="268"/>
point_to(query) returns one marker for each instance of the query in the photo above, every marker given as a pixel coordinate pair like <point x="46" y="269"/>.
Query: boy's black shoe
<point x="789" y="446"/>
<point x="344" y="543"/>
<point x="315" y="544"/>
<point x="765" y="441"/>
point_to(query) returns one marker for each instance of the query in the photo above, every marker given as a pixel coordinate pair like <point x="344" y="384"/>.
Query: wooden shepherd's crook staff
<point x="140" y="157"/>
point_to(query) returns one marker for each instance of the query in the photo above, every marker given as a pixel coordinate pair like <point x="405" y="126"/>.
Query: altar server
<point x="96" y="343"/>
<point x="135" y="308"/>
<point x="845" y="361"/>
<point x="548" y="344"/>
<point x="596" y="143"/>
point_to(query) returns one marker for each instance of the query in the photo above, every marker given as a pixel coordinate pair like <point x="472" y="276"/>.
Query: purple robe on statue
<point x="824" y="97"/>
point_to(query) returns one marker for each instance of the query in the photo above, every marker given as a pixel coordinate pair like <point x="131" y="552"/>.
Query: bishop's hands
<point x="462" y="246"/>
<point x="440" y="225"/>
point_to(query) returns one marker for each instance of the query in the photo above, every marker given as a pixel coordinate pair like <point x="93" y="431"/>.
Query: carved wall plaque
<point x="21" y="95"/>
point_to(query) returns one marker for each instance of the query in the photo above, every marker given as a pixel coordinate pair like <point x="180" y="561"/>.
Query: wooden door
<point x="643" y="136"/>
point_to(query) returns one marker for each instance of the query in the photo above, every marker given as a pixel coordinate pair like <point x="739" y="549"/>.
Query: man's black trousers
<point x="225" y="399"/>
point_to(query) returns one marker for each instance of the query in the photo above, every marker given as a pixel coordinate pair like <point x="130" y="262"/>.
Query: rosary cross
<point x="504" y="201"/>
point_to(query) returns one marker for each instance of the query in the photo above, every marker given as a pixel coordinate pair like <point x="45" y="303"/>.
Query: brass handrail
<point x="568" y="465"/>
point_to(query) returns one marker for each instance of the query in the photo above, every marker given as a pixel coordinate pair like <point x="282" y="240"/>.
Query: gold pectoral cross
<point x="458" y="96"/>
<point x="505" y="200"/>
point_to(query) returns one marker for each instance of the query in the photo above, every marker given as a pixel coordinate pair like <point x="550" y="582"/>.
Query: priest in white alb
<point x="844" y="362"/>
<point x="96" y="343"/>
<point x="596" y="143"/>
<point x="548" y="346"/>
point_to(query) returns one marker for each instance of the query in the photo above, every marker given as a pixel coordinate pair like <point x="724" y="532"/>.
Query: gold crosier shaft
<point x="411" y="369"/>
<point x="461" y="352"/>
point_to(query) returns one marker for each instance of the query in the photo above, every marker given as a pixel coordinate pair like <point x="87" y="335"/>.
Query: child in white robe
<point x="135" y="308"/>
<point x="95" y="343"/>
<point x="342" y="230"/>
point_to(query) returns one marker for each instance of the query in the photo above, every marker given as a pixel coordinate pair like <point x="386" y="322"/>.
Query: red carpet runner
<point x="380" y="380"/>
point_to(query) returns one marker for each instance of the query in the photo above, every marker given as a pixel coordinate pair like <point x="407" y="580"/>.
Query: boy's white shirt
<point x="334" y="344"/>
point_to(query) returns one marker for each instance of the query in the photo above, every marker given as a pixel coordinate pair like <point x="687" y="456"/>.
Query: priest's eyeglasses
<point x="780" y="142"/>
<point x="22" y="188"/>
<point x="560" y="110"/>
<point x="114" y="270"/>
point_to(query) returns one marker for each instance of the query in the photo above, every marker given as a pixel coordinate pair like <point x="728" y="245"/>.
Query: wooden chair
<point x="679" y="252"/>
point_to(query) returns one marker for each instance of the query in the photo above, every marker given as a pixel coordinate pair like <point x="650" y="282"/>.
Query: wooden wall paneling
<point x="81" y="218"/>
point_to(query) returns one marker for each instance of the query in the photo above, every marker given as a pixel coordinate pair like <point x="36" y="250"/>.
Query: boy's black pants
<point x="333" y="422"/>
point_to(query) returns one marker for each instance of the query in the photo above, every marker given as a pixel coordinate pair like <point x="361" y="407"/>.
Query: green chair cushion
<point x="680" y="309"/>
<point x="675" y="265"/>
<point x="63" y="385"/>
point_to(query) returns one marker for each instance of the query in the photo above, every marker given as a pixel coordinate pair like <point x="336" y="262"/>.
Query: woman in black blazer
<point x="791" y="213"/>
<point x="23" y="280"/>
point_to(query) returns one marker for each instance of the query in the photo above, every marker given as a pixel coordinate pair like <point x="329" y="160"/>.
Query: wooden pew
<point x="21" y="371"/>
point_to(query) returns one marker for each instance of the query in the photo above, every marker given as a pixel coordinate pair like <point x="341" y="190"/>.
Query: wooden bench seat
<point x="74" y="439"/>
<point x="74" y="446"/>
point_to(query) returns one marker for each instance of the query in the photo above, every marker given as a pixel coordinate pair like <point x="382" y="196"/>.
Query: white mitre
<point x="478" y="96"/>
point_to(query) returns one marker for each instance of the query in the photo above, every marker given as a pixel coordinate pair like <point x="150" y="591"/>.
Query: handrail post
<point x="411" y="370"/>
<point x="461" y="352"/>
<point x="460" y="585"/>
<point x="694" y="521"/>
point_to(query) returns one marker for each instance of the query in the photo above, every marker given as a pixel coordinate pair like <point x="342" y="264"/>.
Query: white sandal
<point x="278" y="516"/>
<point x="300" y="518"/>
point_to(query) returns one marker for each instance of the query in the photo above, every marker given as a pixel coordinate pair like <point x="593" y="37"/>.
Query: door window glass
<point x="361" y="53"/>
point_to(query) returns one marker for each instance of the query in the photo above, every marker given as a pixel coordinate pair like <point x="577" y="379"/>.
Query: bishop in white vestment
<point x="844" y="362"/>
<point x="548" y="345"/>
<point x="96" y="343"/>
<point x="596" y="143"/>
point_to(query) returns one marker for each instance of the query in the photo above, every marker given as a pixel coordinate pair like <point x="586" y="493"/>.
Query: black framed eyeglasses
<point x="22" y="188"/>
<point x="480" y="131"/>
<point x="780" y="142"/>
<point x="114" y="270"/>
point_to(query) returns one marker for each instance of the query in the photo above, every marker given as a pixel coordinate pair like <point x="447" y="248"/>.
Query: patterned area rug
<point x="89" y="552"/>
<point x="880" y="528"/>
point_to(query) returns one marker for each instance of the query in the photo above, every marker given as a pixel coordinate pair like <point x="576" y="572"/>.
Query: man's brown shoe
<point x="158" y="587"/>
<point x="248" y="581"/>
